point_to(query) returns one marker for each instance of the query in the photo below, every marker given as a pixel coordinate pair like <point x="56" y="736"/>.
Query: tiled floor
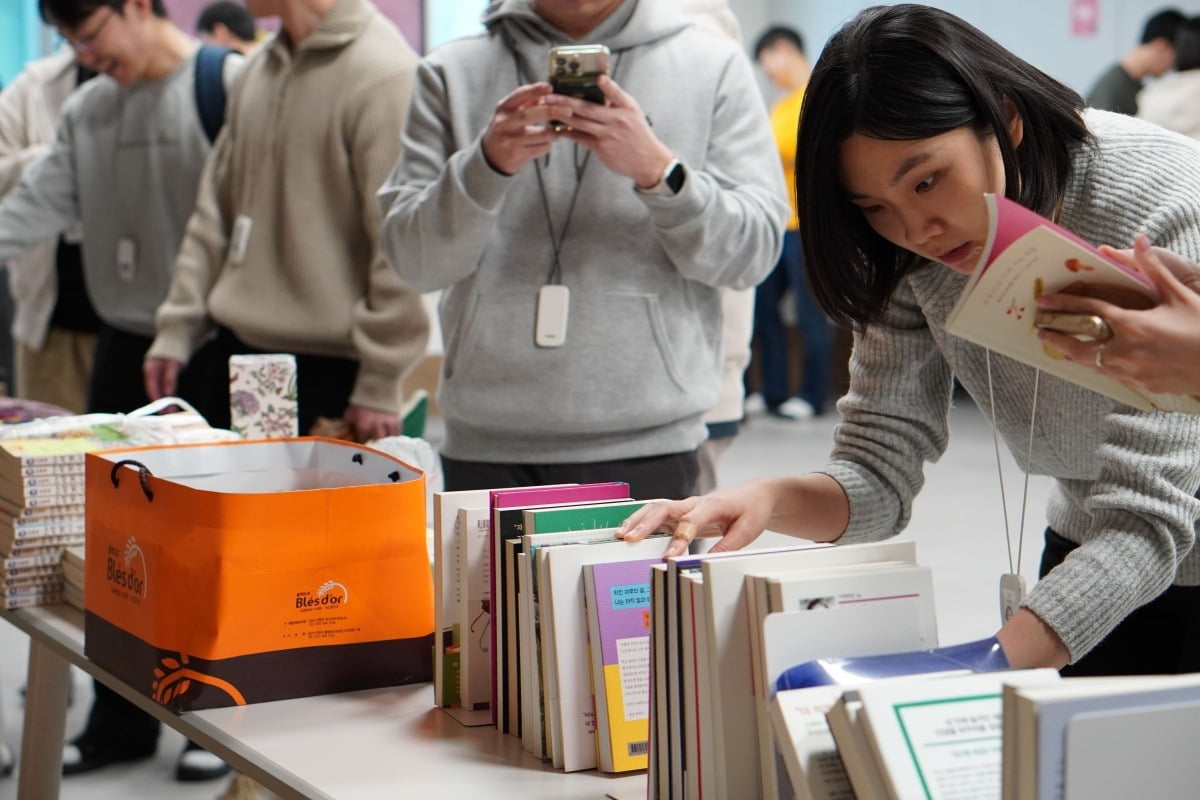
<point x="957" y="522"/>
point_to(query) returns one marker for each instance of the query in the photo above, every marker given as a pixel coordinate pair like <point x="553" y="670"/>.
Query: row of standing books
<point x="598" y="653"/>
<point x="1002" y="735"/>
<point x="726" y="626"/>
<point x="542" y="620"/>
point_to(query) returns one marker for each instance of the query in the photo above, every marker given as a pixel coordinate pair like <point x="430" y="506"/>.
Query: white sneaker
<point x="755" y="404"/>
<point x="794" y="408"/>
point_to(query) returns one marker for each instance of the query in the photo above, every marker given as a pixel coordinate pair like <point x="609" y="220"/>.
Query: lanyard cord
<point x="1013" y="568"/>
<point x="557" y="242"/>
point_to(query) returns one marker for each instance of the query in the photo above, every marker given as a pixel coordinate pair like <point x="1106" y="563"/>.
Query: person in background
<point x="298" y="234"/>
<point x="1117" y="89"/>
<point x="921" y="114"/>
<point x="780" y="53"/>
<point x="737" y="305"/>
<point x="1173" y="101"/>
<point x="54" y="324"/>
<point x="648" y="205"/>
<point x="140" y="117"/>
<point x="228" y="24"/>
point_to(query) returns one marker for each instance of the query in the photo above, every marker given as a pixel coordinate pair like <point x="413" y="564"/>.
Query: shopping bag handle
<point x="143" y="476"/>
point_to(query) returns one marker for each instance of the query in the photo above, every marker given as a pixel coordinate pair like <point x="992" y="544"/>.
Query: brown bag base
<point x="183" y="683"/>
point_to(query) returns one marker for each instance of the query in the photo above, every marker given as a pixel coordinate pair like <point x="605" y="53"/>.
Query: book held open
<point x="1025" y="256"/>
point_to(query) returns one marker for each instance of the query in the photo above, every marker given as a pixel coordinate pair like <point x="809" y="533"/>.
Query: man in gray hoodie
<point x="642" y="208"/>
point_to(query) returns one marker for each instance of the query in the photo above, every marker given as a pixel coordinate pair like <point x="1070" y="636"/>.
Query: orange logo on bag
<point x="130" y="571"/>
<point x="171" y="685"/>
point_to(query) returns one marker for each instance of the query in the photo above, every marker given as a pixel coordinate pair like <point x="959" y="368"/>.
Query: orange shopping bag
<point x="239" y="572"/>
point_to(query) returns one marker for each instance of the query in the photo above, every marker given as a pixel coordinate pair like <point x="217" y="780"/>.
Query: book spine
<point x="49" y="529"/>
<point x="32" y="470"/>
<point x="44" y="511"/>
<point x="24" y="562"/>
<point x="39" y="599"/>
<point x="44" y="500"/>
<point x="31" y="582"/>
<point x="49" y="544"/>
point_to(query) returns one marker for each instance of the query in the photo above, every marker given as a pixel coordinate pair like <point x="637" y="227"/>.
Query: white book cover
<point x="475" y="619"/>
<point x="549" y="670"/>
<point x="1048" y="710"/>
<point x="736" y="760"/>
<point x="447" y="591"/>
<point x="803" y="738"/>
<point x="565" y="571"/>
<point x="532" y="723"/>
<point x="534" y="544"/>
<point x="842" y="612"/>
<point x="862" y="769"/>
<point x="941" y="739"/>
<point x="1134" y="752"/>
<point x="704" y="698"/>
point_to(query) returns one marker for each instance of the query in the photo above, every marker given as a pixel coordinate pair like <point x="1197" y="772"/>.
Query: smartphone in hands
<point x="573" y="70"/>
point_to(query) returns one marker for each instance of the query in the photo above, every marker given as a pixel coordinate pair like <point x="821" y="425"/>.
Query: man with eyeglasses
<point x="126" y="161"/>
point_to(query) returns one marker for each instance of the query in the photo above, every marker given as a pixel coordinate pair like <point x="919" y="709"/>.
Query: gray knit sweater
<point x="1126" y="480"/>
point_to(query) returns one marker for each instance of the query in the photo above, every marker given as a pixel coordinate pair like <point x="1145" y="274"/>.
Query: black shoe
<point x="197" y="764"/>
<point x="84" y="754"/>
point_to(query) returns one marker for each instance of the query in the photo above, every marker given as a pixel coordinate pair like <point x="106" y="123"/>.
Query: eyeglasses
<point x="85" y="42"/>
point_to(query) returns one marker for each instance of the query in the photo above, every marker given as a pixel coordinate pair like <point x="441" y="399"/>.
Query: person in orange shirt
<point x="780" y="53"/>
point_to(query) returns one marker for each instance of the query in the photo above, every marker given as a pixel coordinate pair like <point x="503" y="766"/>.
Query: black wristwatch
<point x="671" y="181"/>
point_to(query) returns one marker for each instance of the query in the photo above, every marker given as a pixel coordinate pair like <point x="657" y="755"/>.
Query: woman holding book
<point x="911" y="116"/>
<point x="1156" y="349"/>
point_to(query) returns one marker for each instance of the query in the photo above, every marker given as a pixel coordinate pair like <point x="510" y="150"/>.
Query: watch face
<point x="674" y="179"/>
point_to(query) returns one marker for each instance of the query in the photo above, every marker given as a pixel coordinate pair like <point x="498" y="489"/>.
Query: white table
<point x="355" y="746"/>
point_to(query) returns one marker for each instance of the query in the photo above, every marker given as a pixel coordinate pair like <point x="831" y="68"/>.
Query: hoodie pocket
<point x="617" y="370"/>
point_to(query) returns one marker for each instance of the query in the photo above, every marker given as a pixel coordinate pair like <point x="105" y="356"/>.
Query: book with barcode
<point x="617" y="597"/>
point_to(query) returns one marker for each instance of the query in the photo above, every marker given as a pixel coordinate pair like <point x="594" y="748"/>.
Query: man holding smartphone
<point x="582" y="266"/>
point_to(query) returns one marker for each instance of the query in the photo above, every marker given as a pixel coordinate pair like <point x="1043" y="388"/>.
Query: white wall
<point x="1037" y="30"/>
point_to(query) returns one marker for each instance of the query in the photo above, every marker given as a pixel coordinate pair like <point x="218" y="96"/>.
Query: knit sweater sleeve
<point x="894" y="420"/>
<point x="1142" y="511"/>
<point x="45" y="201"/>
<point x="19" y="147"/>
<point x="1138" y="516"/>
<point x="391" y="328"/>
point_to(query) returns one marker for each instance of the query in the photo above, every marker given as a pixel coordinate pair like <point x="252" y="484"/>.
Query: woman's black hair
<point x="70" y="14"/>
<point x="907" y="72"/>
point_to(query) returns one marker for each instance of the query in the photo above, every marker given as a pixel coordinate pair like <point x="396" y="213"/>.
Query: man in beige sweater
<point x="282" y="252"/>
<point x="54" y="324"/>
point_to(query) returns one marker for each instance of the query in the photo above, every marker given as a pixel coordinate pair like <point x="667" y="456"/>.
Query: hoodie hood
<point x="634" y="23"/>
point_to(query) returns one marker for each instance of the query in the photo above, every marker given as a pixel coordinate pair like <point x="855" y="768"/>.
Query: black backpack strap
<point x="210" y="88"/>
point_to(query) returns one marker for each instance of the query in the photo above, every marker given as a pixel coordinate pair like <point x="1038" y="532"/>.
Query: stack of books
<point x="41" y="513"/>
<point x="42" y="487"/>
<point x="72" y="565"/>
